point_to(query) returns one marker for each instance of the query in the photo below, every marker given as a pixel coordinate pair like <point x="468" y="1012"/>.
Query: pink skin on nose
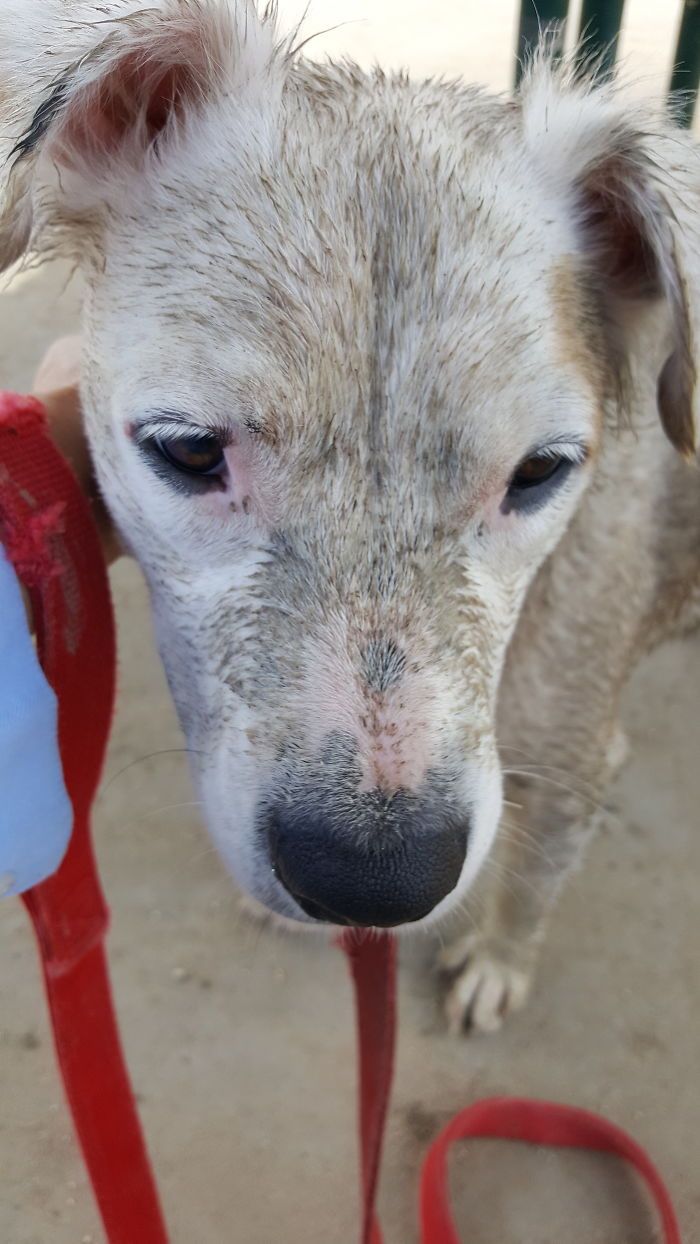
<point x="394" y="741"/>
<point x="395" y="729"/>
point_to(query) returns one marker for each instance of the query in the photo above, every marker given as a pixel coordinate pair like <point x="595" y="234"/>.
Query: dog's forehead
<point x="374" y="244"/>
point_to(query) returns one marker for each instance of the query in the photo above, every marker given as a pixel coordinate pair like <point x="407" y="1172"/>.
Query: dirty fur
<point x="382" y="295"/>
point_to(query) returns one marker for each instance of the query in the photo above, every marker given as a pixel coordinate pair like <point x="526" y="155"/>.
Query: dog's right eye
<point x="197" y="455"/>
<point x="186" y="458"/>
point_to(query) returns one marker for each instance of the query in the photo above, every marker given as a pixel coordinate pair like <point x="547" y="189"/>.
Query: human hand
<point x="56" y="384"/>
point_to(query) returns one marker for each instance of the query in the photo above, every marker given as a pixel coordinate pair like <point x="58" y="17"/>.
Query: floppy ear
<point x="632" y="184"/>
<point x="93" y="92"/>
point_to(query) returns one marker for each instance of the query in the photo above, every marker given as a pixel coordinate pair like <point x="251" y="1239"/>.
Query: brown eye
<point x="197" y="455"/>
<point x="536" y="470"/>
<point x="537" y="479"/>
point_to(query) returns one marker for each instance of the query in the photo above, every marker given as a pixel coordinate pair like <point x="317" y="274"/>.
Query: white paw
<point x="486" y="989"/>
<point x="619" y="750"/>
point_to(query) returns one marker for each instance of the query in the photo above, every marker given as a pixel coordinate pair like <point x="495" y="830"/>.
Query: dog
<point x="391" y="390"/>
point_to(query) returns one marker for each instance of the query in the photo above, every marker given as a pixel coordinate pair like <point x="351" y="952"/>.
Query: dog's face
<point x="346" y="374"/>
<point x="340" y="439"/>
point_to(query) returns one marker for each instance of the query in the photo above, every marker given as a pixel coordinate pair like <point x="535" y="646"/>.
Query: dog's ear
<point x="92" y="93"/>
<point x="629" y="181"/>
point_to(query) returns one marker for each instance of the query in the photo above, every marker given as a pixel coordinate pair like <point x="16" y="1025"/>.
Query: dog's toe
<point x="486" y="988"/>
<point x="619" y="750"/>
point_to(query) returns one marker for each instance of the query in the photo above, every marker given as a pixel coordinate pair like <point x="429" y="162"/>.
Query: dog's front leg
<point x="561" y="746"/>
<point x="550" y="817"/>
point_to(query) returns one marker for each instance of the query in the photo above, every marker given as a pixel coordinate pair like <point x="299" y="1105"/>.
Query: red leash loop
<point x="48" y="533"/>
<point x="536" y="1123"/>
<point x="373" y="965"/>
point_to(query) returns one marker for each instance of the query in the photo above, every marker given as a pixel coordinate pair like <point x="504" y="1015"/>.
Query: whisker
<point x="536" y="766"/>
<point x="502" y="873"/>
<point x="531" y="846"/>
<point x="166" y="751"/>
<point x="170" y="807"/>
<point x="570" y="790"/>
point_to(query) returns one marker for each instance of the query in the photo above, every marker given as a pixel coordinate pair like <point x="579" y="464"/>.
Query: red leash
<point x="372" y="961"/>
<point x="537" y="1123"/>
<point x="47" y="531"/>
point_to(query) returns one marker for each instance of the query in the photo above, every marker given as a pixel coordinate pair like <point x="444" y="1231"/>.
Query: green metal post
<point x="686" y="64"/>
<point x="536" y="16"/>
<point x="600" y="32"/>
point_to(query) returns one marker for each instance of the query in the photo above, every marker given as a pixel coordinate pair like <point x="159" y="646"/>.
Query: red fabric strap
<point x="372" y="961"/>
<point x="47" y="531"/>
<point x="536" y="1123"/>
<point x="373" y="965"/>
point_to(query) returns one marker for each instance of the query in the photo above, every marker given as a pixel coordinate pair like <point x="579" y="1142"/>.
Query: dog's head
<point x="351" y="344"/>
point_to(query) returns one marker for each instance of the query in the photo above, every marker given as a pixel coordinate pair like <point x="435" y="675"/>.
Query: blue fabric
<point x="35" y="813"/>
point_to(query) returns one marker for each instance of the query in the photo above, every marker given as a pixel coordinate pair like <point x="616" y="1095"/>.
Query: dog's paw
<point x="487" y="984"/>
<point x="619" y="750"/>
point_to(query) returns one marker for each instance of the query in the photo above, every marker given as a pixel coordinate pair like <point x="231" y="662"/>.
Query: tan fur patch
<point x="579" y="335"/>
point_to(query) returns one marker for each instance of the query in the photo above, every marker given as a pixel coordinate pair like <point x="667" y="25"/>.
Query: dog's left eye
<point x="537" y="470"/>
<point x="538" y="476"/>
<point x="196" y="455"/>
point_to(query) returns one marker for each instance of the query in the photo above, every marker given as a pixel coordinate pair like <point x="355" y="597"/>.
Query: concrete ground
<point x="240" y="1041"/>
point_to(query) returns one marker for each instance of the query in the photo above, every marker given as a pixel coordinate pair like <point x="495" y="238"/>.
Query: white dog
<point x="373" y="377"/>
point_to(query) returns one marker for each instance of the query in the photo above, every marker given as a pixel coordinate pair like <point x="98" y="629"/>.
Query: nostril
<point x="292" y="877"/>
<point x="382" y="874"/>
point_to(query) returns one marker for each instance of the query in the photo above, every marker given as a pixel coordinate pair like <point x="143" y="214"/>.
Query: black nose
<point x="385" y="861"/>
